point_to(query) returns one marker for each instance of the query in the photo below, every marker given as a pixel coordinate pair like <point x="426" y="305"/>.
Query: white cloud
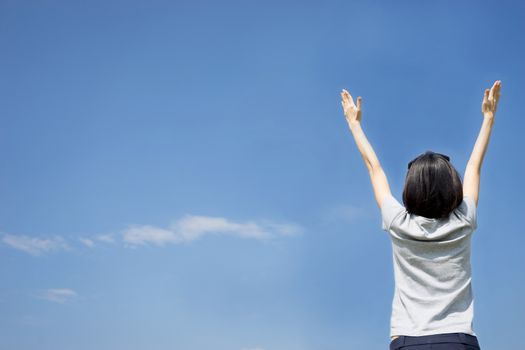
<point x="106" y="238"/>
<point x="87" y="242"/>
<point x="136" y="235"/>
<point x="60" y="296"/>
<point x="285" y="229"/>
<point x="192" y="227"/>
<point x="186" y="229"/>
<point x="34" y="245"/>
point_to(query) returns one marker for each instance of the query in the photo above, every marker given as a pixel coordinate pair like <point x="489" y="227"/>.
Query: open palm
<point x="351" y="111"/>
<point x="490" y="99"/>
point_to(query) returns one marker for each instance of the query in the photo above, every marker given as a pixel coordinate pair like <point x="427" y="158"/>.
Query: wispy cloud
<point x="35" y="245"/>
<point x="186" y="229"/>
<point x="136" y="235"/>
<point x="60" y="296"/>
<point x="87" y="242"/>
<point x="192" y="227"/>
<point x="105" y="238"/>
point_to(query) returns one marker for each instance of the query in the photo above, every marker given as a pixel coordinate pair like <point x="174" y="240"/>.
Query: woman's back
<point x="433" y="301"/>
<point x="432" y="270"/>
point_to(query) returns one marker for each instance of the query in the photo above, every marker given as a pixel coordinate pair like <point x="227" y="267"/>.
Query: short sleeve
<point x="469" y="211"/>
<point x="390" y="209"/>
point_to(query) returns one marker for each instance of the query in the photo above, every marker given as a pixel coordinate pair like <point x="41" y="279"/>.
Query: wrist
<point x="488" y="115"/>
<point x="353" y="125"/>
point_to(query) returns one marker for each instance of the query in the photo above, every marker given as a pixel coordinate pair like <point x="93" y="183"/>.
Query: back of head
<point x="433" y="187"/>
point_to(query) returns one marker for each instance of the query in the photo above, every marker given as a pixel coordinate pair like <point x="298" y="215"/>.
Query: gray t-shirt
<point x="432" y="271"/>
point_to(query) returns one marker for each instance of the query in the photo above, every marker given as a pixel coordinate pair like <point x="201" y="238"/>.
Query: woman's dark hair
<point x="433" y="187"/>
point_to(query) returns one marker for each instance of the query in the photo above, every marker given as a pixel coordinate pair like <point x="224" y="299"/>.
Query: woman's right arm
<point x="473" y="169"/>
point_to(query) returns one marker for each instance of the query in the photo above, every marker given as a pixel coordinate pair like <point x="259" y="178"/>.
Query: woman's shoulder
<point x="467" y="211"/>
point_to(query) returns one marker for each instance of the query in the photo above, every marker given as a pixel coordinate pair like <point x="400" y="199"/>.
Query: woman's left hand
<point x="351" y="111"/>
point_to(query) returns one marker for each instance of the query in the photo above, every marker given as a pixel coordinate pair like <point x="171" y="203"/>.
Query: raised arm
<point x="377" y="175"/>
<point x="473" y="169"/>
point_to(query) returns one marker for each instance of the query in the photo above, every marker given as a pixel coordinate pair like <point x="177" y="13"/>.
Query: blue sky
<point x="179" y="175"/>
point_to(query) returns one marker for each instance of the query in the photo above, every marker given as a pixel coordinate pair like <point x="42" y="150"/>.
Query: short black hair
<point x="433" y="187"/>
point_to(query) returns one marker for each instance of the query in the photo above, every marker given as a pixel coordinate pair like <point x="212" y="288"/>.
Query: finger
<point x="486" y="95"/>
<point x="359" y="100"/>
<point x="344" y="95"/>
<point x="494" y="89"/>
<point x="349" y="97"/>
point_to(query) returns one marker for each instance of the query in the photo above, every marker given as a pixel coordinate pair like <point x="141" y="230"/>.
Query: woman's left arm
<point x="377" y="175"/>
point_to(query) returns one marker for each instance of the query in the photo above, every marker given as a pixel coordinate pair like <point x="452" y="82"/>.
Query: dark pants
<point x="443" y="341"/>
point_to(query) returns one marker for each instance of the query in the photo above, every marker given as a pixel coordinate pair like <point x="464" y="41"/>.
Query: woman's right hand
<point x="490" y="100"/>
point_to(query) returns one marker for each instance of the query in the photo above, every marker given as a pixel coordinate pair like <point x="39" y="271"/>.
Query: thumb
<point x="486" y="95"/>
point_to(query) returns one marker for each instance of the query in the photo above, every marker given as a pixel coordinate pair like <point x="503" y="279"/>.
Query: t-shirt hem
<point x="412" y="333"/>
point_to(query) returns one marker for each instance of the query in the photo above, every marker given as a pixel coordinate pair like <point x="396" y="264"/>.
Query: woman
<point x="433" y="304"/>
